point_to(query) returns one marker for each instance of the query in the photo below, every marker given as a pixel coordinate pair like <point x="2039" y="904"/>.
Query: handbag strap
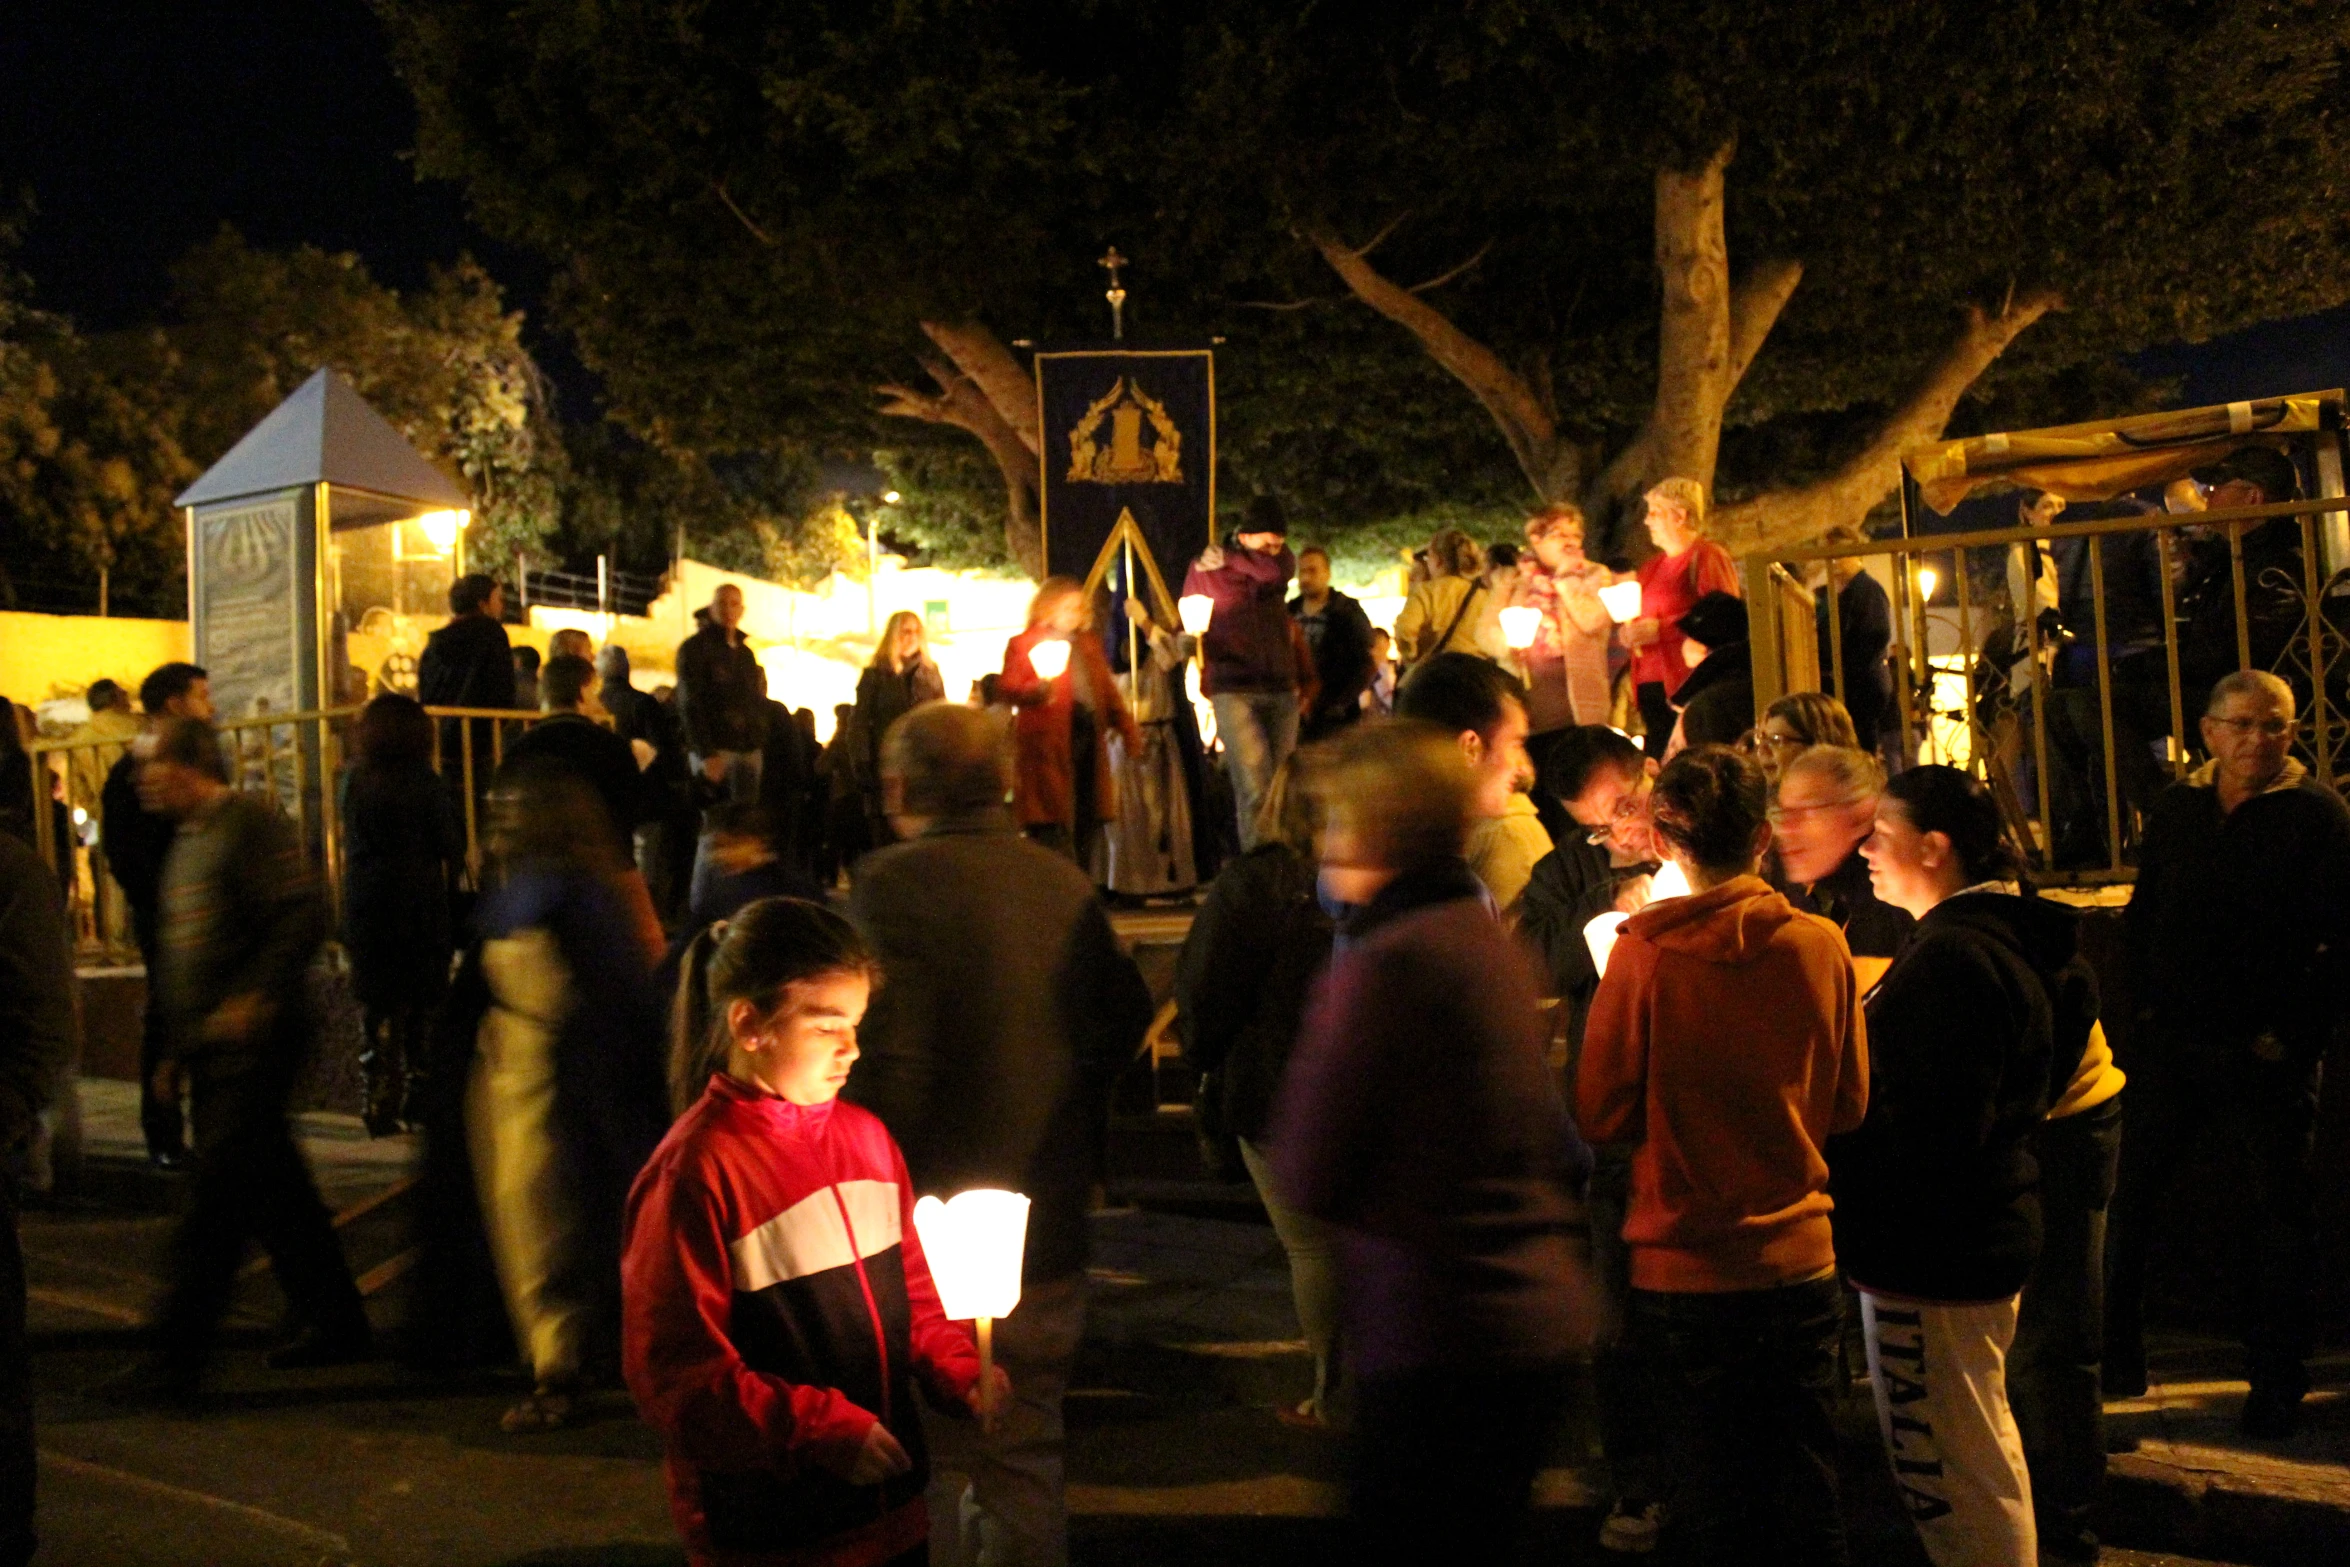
<point x="1458" y="615"/>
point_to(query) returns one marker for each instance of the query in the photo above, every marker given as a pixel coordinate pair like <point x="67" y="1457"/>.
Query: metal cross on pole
<point x="1116" y="294"/>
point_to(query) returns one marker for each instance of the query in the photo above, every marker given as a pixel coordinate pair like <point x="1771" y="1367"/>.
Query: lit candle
<point x="1600" y="936"/>
<point x="1049" y="658"/>
<point x="1197" y="609"/>
<point x="975" y="1243"/>
<point x="1622" y="601"/>
<point x="1519" y="624"/>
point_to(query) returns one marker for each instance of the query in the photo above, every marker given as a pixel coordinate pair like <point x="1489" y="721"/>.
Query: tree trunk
<point x="1009" y="387"/>
<point x="1552" y="466"/>
<point x="960" y="402"/>
<point x="1839" y="502"/>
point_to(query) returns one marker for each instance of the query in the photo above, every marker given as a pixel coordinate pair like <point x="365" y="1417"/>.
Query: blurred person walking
<point x="403" y="848"/>
<point x="137" y="842"/>
<point x="2236" y="941"/>
<point x="1480" y="706"/>
<point x="36" y="1045"/>
<point x="780" y="1315"/>
<point x="1064" y="786"/>
<point x="570" y="739"/>
<point x="901" y="677"/>
<point x="1338" y="635"/>
<point x="1825" y="809"/>
<point x="1937" y="1204"/>
<point x="1685" y="568"/>
<point x="1248" y="660"/>
<point x="1726" y="1042"/>
<point x="1005" y="1011"/>
<point x="1419" y="1119"/>
<point x="241" y="922"/>
<point x="562" y="1094"/>
<point x="1248" y="963"/>
<point x="721" y="698"/>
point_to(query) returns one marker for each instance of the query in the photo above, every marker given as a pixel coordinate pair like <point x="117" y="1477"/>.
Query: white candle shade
<point x="1669" y="882"/>
<point x="1600" y="936"/>
<point x="1197" y="610"/>
<point x="1622" y="601"/>
<point x="1049" y="658"/>
<point x="974" y="1244"/>
<point x="1519" y="625"/>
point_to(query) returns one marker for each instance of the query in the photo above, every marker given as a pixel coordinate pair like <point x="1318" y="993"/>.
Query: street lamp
<point x="975" y="1243"/>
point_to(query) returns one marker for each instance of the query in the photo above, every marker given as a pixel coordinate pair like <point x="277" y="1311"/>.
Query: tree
<point x="1893" y="169"/>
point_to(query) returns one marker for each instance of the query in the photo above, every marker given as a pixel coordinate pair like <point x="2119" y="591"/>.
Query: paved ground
<point x="1175" y="1454"/>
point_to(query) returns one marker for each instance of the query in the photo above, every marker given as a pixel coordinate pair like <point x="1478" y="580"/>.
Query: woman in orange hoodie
<point x="1726" y="1042"/>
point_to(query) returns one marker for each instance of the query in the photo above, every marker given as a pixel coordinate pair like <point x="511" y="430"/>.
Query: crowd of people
<point x="1551" y="1051"/>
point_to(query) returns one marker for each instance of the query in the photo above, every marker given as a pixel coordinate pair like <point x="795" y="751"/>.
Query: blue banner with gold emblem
<point x="1129" y="454"/>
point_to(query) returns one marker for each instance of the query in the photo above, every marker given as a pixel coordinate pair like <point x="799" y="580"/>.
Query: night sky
<point x="139" y="126"/>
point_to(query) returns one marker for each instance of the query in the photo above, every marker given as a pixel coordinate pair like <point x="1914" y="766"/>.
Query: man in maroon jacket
<point x="1251" y="668"/>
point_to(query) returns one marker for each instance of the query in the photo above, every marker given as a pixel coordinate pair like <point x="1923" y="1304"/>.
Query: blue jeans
<point x="1259" y="730"/>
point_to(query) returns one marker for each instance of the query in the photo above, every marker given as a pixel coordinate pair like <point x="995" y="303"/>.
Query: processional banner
<point x="1129" y="453"/>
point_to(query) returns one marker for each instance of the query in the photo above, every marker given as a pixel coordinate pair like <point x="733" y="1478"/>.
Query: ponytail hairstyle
<point x="757" y="956"/>
<point x="1957" y="805"/>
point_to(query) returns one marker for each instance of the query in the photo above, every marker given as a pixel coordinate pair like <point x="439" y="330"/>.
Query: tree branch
<point x="1443" y="278"/>
<point x="1531" y="432"/>
<point x="960" y="403"/>
<point x="1839" y="502"/>
<point x="1284" y="304"/>
<point x="1006" y="383"/>
<point x="1754" y="309"/>
<point x="742" y="217"/>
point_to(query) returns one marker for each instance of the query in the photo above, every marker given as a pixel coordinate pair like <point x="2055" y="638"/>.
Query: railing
<point x="1959" y="701"/>
<point x="613" y="592"/>
<point x="297" y="758"/>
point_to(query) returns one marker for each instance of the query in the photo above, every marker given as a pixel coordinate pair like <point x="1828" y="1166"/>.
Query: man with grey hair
<point x="2236" y="939"/>
<point x="1005" y="1011"/>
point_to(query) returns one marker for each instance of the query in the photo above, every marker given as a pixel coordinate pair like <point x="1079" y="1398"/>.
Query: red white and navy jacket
<point x="776" y="1305"/>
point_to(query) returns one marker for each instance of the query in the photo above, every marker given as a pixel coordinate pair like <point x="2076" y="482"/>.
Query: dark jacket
<point x="1006" y="1010"/>
<point x="467" y="663"/>
<point x="401" y="841"/>
<point x="1253" y="953"/>
<point x="1420" y="1117"/>
<point x="639" y="715"/>
<point x="1937" y="1190"/>
<point x="1247" y="644"/>
<point x="241" y="916"/>
<point x="36" y="990"/>
<point x="1865" y="615"/>
<point x="2236" y="928"/>
<point x="1847" y="899"/>
<point x="721" y="692"/>
<point x="1717" y="700"/>
<point x="137" y="840"/>
<point x="1342" y="663"/>
<point x="883" y="699"/>
<point x="1572" y="885"/>
<point x="575" y="744"/>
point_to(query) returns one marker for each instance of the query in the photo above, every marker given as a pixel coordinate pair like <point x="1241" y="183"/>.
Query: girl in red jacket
<point x="778" y="1314"/>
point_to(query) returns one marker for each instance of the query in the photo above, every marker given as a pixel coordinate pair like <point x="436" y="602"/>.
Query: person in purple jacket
<point x="1418" y="1118"/>
<point x="1251" y="666"/>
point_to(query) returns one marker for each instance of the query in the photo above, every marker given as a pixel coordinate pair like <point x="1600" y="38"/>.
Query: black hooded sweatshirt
<point x="1980" y="1016"/>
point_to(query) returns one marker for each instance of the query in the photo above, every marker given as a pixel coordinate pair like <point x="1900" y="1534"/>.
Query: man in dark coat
<point x="36" y="1041"/>
<point x="1006" y="1009"/>
<point x="2235" y="937"/>
<point x="1338" y="634"/>
<point x="468" y="663"/>
<point x="1864" y="619"/>
<point x="137" y="840"/>
<point x="571" y="741"/>
<point x="722" y="697"/>
<point x="242" y="920"/>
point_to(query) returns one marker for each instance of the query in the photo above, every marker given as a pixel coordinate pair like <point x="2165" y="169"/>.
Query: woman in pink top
<point x="1686" y="567"/>
<point x="1566" y="668"/>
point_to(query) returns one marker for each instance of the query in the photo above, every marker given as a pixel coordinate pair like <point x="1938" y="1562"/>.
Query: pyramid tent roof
<point x="325" y="433"/>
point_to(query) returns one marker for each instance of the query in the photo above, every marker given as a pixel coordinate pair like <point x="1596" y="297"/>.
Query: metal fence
<point x="295" y="758"/>
<point x="2073" y="727"/>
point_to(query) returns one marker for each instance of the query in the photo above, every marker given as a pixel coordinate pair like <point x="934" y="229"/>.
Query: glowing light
<point x="1622" y="601"/>
<point x="1600" y="936"/>
<point x="441" y="528"/>
<point x="1928" y="580"/>
<point x="889" y="497"/>
<point x="1197" y="610"/>
<point x="1669" y="882"/>
<point x="1520" y="623"/>
<point x="974" y="1244"/>
<point x="1049" y="658"/>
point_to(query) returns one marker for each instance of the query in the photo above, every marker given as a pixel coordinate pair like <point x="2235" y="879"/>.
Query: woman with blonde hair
<point x="1566" y="667"/>
<point x="1685" y="568"/>
<point x="1063" y="786"/>
<point x="901" y="677"/>
<point x="1441" y="614"/>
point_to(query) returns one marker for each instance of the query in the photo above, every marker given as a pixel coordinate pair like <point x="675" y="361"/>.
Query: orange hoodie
<point x="1727" y="1042"/>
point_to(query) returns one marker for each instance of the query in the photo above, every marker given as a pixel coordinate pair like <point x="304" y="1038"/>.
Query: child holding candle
<point x="778" y="1313"/>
